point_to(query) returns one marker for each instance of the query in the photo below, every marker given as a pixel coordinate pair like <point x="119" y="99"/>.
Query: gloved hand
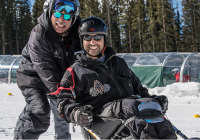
<point x="163" y="101"/>
<point x="83" y="115"/>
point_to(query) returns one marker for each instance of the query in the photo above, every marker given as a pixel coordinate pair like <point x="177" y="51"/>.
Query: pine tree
<point x="25" y="24"/>
<point x="104" y="14"/>
<point x="2" y="24"/>
<point x="109" y="23"/>
<point x="126" y="35"/>
<point x="190" y="18"/>
<point x="37" y="9"/>
<point x="165" y="18"/>
<point x="91" y="8"/>
<point x="198" y="26"/>
<point x="9" y="23"/>
<point x="83" y="9"/>
<point x="115" y="19"/>
<point x="177" y="30"/>
<point x="139" y="24"/>
<point x="16" y="24"/>
<point x="152" y="30"/>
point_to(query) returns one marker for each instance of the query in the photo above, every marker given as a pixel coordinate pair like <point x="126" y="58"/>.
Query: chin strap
<point x="104" y="49"/>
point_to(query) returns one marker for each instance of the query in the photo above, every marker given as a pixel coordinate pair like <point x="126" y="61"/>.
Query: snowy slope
<point x="184" y="102"/>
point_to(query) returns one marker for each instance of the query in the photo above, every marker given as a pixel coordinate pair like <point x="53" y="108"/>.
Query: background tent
<point x="155" y="69"/>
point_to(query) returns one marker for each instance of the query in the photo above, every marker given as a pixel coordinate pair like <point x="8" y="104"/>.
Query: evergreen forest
<point x="135" y="26"/>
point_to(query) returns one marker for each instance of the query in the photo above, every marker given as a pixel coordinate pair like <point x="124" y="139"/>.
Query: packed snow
<point x="184" y="101"/>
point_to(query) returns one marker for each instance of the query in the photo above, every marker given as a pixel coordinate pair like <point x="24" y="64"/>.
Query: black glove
<point x="163" y="101"/>
<point x="82" y="115"/>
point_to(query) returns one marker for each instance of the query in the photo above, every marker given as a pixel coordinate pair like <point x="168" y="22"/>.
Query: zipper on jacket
<point x="113" y="78"/>
<point x="70" y="48"/>
<point x="95" y="72"/>
<point x="113" y="74"/>
<point x="109" y="59"/>
<point x="105" y="66"/>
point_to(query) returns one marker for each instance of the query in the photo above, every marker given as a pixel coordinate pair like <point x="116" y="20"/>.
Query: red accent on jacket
<point x="185" y="77"/>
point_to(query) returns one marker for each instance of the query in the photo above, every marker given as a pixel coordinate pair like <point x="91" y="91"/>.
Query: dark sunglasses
<point x="89" y="37"/>
<point x="65" y="16"/>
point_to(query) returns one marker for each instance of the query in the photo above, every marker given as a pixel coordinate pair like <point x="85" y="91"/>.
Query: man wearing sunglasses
<point x="48" y="53"/>
<point x="101" y="84"/>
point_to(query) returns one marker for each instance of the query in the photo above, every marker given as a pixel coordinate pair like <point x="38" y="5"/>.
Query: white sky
<point x="184" y="101"/>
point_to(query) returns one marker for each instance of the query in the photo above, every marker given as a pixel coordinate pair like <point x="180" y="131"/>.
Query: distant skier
<point x="176" y="73"/>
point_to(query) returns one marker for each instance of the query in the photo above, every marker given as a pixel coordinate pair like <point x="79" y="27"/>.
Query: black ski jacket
<point x="46" y="56"/>
<point x="97" y="83"/>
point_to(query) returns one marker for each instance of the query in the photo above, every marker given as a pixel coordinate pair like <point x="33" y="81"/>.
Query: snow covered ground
<point x="184" y="102"/>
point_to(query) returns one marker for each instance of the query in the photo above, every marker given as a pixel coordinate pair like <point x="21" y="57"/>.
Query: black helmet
<point x="49" y="5"/>
<point x="93" y="25"/>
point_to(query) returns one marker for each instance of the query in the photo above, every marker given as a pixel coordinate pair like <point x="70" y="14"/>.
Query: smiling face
<point x="60" y="24"/>
<point x="93" y="47"/>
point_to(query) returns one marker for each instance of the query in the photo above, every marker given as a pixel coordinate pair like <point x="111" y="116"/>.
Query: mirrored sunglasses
<point x="67" y="6"/>
<point x="89" y="37"/>
<point x="59" y="14"/>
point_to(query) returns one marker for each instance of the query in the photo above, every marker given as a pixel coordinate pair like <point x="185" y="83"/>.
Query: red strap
<point x="61" y="88"/>
<point x="72" y="73"/>
<point x="58" y="85"/>
<point x="67" y="46"/>
<point x="103" y="49"/>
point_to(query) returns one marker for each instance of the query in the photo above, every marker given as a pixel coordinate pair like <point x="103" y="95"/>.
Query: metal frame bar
<point x="124" y="55"/>
<point x="146" y="54"/>
<point x="9" y="72"/>
<point x="163" y="64"/>
<point x="182" y="67"/>
<point x="4" y="58"/>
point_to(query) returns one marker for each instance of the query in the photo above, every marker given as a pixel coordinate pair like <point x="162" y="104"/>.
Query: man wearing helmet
<point x="48" y="53"/>
<point x="101" y="82"/>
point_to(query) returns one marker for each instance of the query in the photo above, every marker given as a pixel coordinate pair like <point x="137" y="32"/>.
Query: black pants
<point x="125" y="109"/>
<point x="35" y="118"/>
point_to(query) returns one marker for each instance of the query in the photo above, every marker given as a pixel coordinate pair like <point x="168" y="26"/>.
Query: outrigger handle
<point x="179" y="132"/>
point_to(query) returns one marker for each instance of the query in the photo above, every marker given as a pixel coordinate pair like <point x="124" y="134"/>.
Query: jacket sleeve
<point x="137" y="86"/>
<point x="66" y="101"/>
<point x="43" y="61"/>
<point x="136" y="83"/>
